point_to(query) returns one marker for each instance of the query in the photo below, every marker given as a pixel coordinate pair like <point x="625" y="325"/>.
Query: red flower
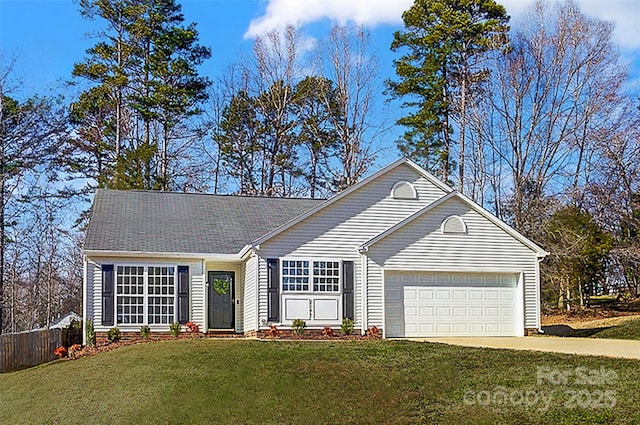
<point x="192" y="327"/>
<point x="374" y="332"/>
<point x="273" y="332"/>
<point x="327" y="331"/>
<point x="60" y="352"/>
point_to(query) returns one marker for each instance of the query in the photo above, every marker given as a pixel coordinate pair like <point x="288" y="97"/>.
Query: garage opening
<point x="437" y="304"/>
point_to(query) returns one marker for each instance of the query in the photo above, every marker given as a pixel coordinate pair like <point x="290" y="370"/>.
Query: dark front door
<point x="221" y="308"/>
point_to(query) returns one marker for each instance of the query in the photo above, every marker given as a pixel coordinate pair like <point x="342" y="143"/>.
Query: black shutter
<point x="273" y="290"/>
<point x="347" y="289"/>
<point x="107" y="294"/>
<point x="183" y="294"/>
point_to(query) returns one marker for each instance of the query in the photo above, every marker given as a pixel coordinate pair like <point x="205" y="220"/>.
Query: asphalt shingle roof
<point x="151" y="221"/>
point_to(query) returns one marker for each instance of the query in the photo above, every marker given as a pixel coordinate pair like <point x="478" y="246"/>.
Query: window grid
<point x="130" y="290"/>
<point x="161" y="302"/>
<point x="326" y="276"/>
<point x="297" y="275"/>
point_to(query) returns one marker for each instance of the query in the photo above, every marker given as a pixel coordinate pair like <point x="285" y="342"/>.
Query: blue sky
<point x="46" y="37"/>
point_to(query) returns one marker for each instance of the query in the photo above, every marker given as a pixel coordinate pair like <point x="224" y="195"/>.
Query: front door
<point x="221" y="307"/>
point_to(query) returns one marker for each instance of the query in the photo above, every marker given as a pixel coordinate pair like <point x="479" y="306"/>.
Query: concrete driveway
<point x="583" y="346"/>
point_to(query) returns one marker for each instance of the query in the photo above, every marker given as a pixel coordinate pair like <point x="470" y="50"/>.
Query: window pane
<point x="326" y="276"/>
<point x="295" y="275"/>
<point x="129" y="308"/>
<point x="163" y="286"/>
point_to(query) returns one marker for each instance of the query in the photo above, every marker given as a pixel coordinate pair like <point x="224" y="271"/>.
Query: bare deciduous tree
<point x="552" y="99"/>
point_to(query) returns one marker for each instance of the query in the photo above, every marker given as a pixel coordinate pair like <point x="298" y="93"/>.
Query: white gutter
<point x="140" y="254"/>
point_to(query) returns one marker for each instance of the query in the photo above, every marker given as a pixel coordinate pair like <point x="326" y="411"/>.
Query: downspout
<point x="256" y="258"/>
<point x="205" y="296"/>
<point x="84" y="300"/>
<point x="538" y="289"/>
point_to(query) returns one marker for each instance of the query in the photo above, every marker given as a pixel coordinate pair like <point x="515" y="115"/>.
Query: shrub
<point x="298" y="326"/>
<point x="273" y="332"/>
<point x="145" y="331"/>
<point x="60" y="352"/>
<point x="192" y="327"/>
<point x="347" y="326"/>
<point x="373" y="332"/>
<point x="175" y="329"/>
<point x="74" y="350"/>
<point x="90" y="333"/>
<point x="113" y="334"/>
<point x="327" y="331"/>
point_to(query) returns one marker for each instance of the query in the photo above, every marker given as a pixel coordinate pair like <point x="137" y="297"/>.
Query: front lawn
<point x="629" y="329"/>
<point x="274" y="382"/>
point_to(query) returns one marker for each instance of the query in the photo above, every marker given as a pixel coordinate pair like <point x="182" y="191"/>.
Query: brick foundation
<point x="101" y="337"/>
<point x="289" y="334"/>
<point x="530" y="331"/>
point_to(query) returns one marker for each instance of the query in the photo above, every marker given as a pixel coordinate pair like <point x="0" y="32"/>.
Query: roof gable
<point x="477" y="208"/>
<point x="403" y="161"/>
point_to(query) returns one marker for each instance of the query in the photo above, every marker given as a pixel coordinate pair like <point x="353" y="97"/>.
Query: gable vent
<point x="454" y="224"/>
<point x="404" y="190"/>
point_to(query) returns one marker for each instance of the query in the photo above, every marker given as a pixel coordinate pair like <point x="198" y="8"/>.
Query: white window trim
<point x="136" y="326"/>
<point x="453" y="217"/>
<point x="311" y="275"/>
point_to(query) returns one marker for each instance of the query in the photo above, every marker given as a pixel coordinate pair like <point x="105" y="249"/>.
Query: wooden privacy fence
<point x="26" y="349"/>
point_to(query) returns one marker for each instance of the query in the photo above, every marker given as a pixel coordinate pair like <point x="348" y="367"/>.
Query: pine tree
<point x="444" y="41"/>
<point x="145" y="70"/>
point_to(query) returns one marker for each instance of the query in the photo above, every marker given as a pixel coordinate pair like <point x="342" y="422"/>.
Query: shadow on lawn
<point x="566" y="330"/>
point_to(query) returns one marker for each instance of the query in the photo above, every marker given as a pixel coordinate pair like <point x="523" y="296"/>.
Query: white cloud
<point x="280" y="13"/>
<point x="624" y="13"/>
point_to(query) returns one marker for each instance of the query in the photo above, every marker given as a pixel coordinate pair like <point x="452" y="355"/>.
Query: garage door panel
<point x="491" y="295"/>
<point x="410" y="293"/>
<point x="459" y="295"/>
<point x="460" y="312"/>
<point x="443" y="294"/>
<point x="426" y="294"/>
<point x="426" y="311"/>
<point x="449" y="304"/>
<point x="475" y="311"/>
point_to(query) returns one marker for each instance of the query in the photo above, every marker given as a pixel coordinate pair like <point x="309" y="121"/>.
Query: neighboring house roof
<point x="429" y="177"/>
<point x="65" y="320"/>
<point x="165" y="222"/>
<point x="502" y="225"/>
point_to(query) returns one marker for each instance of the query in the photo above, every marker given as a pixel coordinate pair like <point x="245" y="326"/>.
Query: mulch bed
<point x="76" y="352"/>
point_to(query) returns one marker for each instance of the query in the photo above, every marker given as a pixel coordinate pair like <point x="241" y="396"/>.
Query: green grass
<point x="274" y="382"/>
<point x="626" y="330"/>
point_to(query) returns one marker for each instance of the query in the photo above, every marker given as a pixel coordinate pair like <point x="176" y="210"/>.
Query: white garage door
<point x="421" y="304"/>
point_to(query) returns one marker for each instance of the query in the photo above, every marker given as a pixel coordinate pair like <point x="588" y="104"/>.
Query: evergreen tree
<point x="444" y="42"/>
<point x="132" y="123"/>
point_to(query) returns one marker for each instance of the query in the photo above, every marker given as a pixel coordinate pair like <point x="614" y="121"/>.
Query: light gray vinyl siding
<point x="94" y="289"/>
<point x="336" y="231"/>
<point x="198" y="292"/>
<point x="250" y="300"/>
<point x="421" y="245"/>
<point x="262" y="291"/>
<point x="94" y="292"/>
